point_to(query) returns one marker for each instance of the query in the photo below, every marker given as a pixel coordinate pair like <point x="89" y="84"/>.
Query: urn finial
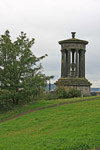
<point x="73" y="34"/>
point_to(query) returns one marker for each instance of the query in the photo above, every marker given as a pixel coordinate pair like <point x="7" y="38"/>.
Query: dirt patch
<point x="50" y="106"/>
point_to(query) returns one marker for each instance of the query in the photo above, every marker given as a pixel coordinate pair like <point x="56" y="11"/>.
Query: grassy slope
<point x="68" y="127"/>
<point x="38" y="104"/>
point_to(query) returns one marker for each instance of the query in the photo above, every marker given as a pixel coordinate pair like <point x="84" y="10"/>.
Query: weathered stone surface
<point x="81" y="84"/>
<point x="72" y="81"/>
<point x="72" y="46"/>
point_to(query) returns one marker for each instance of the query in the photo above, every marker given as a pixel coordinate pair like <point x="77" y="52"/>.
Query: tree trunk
<point x="17" y="101"/>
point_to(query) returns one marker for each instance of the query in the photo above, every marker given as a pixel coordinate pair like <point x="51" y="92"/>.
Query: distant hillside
<point x="53" y="86"/>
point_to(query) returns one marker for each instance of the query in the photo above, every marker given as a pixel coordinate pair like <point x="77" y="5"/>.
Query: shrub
<point x="74" y="93"/>
<point x="48" y="95"/>
<point x="5" y="99"/>
<point x="61" y="93"/>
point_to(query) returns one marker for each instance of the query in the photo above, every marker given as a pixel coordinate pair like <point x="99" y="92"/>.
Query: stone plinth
<point x="81" y="84"/>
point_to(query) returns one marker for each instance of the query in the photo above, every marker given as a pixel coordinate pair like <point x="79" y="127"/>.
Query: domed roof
<point x="73" y="40"/>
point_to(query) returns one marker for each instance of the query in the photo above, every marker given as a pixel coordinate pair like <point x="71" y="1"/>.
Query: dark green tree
<point x="20" y="70"/>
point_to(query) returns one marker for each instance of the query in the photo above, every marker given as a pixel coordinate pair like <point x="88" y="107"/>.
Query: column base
<point x="81" y="84"/>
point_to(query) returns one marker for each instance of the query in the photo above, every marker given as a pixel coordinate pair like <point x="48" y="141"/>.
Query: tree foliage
<point x="20" y="70"/>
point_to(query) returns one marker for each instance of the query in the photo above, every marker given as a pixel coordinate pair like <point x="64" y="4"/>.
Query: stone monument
<point x="73" y="65"/>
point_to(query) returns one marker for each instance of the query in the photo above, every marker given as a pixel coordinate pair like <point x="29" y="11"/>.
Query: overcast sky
<point x="49" y="21"/>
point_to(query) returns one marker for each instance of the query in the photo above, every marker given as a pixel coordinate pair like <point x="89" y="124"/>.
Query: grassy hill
<point x="73" y="126"/>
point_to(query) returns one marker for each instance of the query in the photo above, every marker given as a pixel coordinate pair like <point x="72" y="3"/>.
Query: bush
<point x="48" y="95"/>
<point x="74" y="93"/>
<point x="8" y="98"/>
<point x="61" y="93"/>
<point x="5" y="99"/>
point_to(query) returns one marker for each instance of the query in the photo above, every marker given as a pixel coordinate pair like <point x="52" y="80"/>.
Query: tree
<point x="20" y="70"/>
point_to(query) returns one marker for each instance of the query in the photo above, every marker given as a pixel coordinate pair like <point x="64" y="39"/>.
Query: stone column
<point x="65" y="65"/>
<point x="68" y="62"/>
<point x="83" y="63"/>
<point x="77" y="63"/>
<point x="62" y="64"/>
<point x="80" y="63"/>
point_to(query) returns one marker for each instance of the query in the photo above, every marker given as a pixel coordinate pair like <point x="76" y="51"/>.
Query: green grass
<point x="67" y="127"/>
<point x="20" y="109"/>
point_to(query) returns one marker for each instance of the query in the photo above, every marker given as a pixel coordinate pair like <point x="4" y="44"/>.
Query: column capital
<point x="63" y="50"/>
<point x="83" y="51"/>
<point x="68" y="49"/>
<point x="77" y="49"/>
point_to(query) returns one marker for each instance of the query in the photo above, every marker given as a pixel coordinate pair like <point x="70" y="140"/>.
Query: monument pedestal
<point x="81" y="84"/>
